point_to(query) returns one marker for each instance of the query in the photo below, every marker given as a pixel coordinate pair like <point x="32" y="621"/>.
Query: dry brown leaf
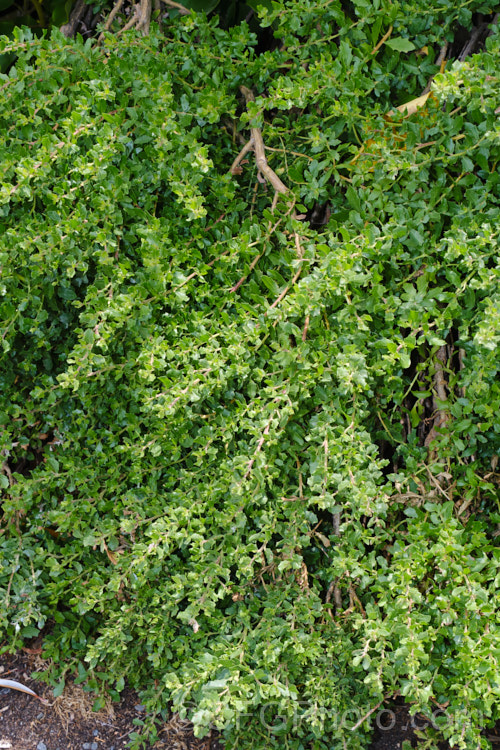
<point x="412" y="106"/>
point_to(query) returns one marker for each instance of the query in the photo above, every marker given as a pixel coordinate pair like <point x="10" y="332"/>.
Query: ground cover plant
<point x="250" y="315"/>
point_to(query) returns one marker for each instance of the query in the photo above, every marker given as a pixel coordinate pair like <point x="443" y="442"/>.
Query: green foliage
<point x="40" y="15"/>
<point x="179" y="445"/>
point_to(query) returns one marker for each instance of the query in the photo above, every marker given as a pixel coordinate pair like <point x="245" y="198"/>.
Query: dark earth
<point x="68" y="722"/>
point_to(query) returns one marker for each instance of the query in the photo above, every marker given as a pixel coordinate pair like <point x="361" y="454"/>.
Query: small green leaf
<point x="400" y="44"/>
<point x="59" y="688"/>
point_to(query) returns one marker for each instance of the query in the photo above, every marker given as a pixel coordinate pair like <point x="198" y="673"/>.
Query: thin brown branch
<point x="441" y="415"/>
<point x="329" y="593"/>
<point x="354" y="598"/>
<point x="235" y="166"/>
<point x="132" y="21"/>
<point x="79" y="10"/>
<point x="195" y="273"/>
<point x="144" y="20"/>
<point x="244" y="278"/>
<point x="382" y="41"/>
<point x="286" y="289"/>
<point x="177" y="6"/>
<point x="301" y="482"/>
<point x="442" y="54"/>
<point x="472" y="43"/>
<point x="440" y="63"/>
<point x="437" y="485"/>
<point x="7" y="471"/>
<point x="306" y="326"/>
<point x="461" y="366"/>
<point x="334" y="590"/>
<point x="372" y="710"/>
<point x="337" y="598"/>
<point x="114" y="12"/>
<point x="259" y="149"/>
<point x="275" y="201"/>
<point x="285" y="151"/>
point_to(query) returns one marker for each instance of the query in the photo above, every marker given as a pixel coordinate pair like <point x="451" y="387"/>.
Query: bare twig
<point x="301" y="482"/>
<point x="306" y="326"/>
<point x="258" y="147"/>
<point x="354" y="599"/>
<point x="140" y="18"/>
<point x="114" y="12"/>
<point x="442" y="54"/>
<point x="256" y="143"/>
<point x="144" y="20"/>
<point x="132" y="21"/>
<point x="244" y="278"/>
<point x="461" y="366"/>
<point x="6" y="470"/>
<point x="177" y="6"/>
<point x="195" y="273"/>
<point x="372" y="710"/>
<point x="382" y="41"/>
<point x="334" y="591"/>
<point x="79" y="10"/>
<point x="440" y="63"/>
<point x="473" y="41"/>
<point x="337" y="598"/>
<point x="235" y="166"/>
<point x="286" y="289"/>
<point x="437" y="485"/>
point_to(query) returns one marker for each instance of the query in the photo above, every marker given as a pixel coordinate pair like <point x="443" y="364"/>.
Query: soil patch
<point x="68" y="722"/>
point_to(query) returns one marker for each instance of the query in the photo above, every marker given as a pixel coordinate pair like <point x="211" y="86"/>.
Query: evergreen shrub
<point x="250" y="442"/>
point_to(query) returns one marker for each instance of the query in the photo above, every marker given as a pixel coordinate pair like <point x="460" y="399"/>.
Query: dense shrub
<point x="219" y="482"/>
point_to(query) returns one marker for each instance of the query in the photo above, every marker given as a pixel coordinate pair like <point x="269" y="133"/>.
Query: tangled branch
<point x="256" y="143"/>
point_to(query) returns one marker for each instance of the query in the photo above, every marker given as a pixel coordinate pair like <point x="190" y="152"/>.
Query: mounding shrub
<point x="250" y="438"/>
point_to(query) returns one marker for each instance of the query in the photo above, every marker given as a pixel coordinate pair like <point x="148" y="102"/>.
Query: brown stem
<point x="6" y="470"/>
<point x="286" y="289"/>
<point x="132" y="21"/>
<point x="306" y="326"/>
<point x="235" y="166"/>
<point x="382" y="41"/>
<point x="114" y="12"/>
<point x="79" y="10"/>
<point x="244" y="278"/>
<point x="171" y="4"/>
<point x="258" y="147"/>
<point x="439" y="63"/>
<point x="372" y="710"/>
<point x="144" y="20"/>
